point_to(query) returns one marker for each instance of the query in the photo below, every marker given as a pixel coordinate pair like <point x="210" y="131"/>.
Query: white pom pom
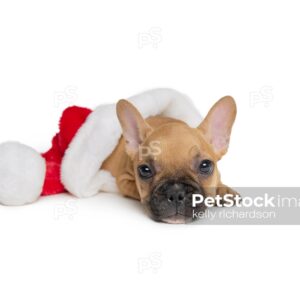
<point x="22" y="174"/>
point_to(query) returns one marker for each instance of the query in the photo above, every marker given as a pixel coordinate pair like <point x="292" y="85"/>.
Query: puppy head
<point x="173" y="161"/>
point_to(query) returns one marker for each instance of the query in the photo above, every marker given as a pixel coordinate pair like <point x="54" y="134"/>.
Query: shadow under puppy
<point x="162" y="161"/>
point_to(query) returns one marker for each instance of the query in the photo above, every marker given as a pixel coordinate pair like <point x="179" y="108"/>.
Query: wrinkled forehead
<point x="175" y="146"/>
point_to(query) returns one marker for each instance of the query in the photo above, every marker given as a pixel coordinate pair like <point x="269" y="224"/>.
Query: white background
<point x="57" y="53"/>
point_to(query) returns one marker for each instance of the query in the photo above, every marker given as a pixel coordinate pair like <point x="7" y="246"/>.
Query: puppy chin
<point x="176" y="219"/>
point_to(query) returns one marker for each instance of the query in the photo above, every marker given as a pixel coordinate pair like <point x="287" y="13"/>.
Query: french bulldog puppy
<point x="162" y="161"/>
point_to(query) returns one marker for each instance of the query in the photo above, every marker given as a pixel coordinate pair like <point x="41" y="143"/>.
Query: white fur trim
<point x="99" y="135"/>
<point x="169" y="103"/>
<point x="22" y="174"/>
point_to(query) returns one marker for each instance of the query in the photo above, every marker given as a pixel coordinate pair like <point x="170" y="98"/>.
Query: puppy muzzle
<point x="171" y="201"/>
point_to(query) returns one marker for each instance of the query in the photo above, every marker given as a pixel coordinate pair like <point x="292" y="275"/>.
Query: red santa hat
<point x="85" y="139"/>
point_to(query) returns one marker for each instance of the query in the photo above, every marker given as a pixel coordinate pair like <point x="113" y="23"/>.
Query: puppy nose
<point x="176" y="193"/>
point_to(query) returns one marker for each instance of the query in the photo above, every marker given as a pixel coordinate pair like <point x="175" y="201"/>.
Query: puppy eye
<point x="145" y="172"/>
<point x="206" y="167"/>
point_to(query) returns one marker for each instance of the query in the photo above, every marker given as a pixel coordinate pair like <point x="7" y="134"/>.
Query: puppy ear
<point x="135" y="128"/>
<point x="216" y="127"/>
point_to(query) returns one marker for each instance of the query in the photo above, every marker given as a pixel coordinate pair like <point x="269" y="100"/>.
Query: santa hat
<point x="86" y="138"/>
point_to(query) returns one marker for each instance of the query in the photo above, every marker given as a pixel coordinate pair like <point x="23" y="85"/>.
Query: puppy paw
<point x="226" y="190"/>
